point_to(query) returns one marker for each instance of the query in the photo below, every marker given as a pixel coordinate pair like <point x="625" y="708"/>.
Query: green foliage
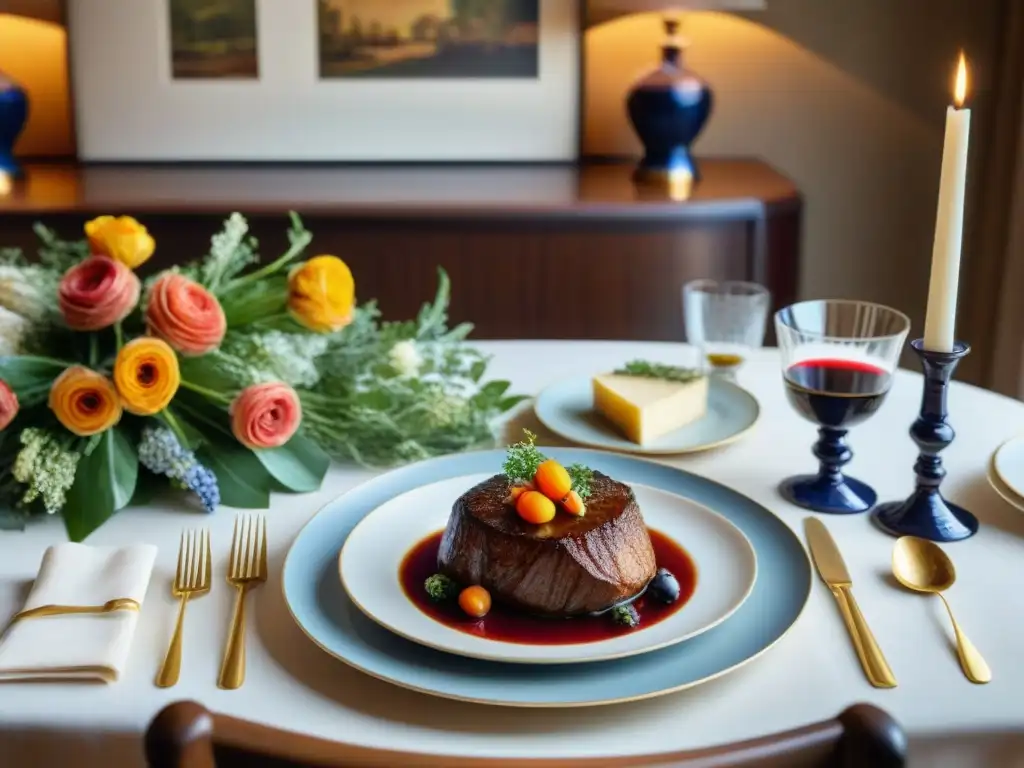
<point x="441" y="588"/>
<point x="626" y="616"/>
<point x="30" y="377"/>
<point x="581" y="477"/>
<point x="231" y="251"/>
<point x="659" y="371"/>
<point x="46" y="466"/>
<point x="57" y="254"/>
<point x="243" y="481"/>
<point x="299" y="465"/>
<point x="256" y="302"/>
<point x="104" y="483"/>
<point x="522" y="459"/>
<point x="390" y="392"/>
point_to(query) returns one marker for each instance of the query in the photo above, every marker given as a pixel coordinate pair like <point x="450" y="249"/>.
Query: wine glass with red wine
<point x="838" y="360"/>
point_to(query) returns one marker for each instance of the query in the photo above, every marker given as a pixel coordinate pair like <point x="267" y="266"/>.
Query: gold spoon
<point x="921" y="566"/>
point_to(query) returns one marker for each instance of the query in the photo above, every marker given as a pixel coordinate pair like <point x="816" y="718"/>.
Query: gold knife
<point x="833" y="572"/>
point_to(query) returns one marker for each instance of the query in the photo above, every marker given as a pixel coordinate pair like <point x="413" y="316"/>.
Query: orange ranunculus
<point x="322" y="294"/>
<point x="8" y="405"/>
<point x="121" y="238"/>
<point x="146" y="375"/>
<point x="96" y="293"/>
<point x="265" y="415"/>
<point x="84" y="401"/>
<point x="185" y="315"/>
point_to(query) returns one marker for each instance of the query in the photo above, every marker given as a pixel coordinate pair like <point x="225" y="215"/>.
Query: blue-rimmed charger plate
<point x="567" y="409"/>
<point x="318" y="602"/>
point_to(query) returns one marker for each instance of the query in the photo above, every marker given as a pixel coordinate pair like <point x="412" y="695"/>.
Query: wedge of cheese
<point x="644" y="409"/>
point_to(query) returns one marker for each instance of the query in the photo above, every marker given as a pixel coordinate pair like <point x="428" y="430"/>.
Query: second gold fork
<point x="247" y="568"/>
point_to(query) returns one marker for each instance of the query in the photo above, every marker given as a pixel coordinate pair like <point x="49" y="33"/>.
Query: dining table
<point x="810" y="674"/>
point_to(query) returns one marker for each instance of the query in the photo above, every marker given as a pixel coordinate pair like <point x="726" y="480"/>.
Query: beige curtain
<point x="992" y="296"/>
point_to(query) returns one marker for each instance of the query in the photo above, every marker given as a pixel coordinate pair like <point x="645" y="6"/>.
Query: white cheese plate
<point x="567" y="409"/>
<point x="371" y="559"/>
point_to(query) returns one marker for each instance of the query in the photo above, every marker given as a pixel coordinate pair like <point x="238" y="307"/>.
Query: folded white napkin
<point x="85" y="646"/>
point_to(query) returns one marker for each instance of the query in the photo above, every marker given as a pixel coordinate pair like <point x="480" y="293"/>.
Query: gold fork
<point x="191" y="579"/>
<point x="247" y="568"/>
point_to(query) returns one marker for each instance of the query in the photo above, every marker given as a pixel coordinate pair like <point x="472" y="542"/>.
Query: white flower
<point x="13" y="328"/>
<point x="292" y="356"/>
<point x="46" y="467"/>
<point x="20" y="293"/>
<point x="405" y="358"/>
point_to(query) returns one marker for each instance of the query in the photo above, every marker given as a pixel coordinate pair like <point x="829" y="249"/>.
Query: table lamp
<point x="13" y="115"/>
<point x="669" y="106"/>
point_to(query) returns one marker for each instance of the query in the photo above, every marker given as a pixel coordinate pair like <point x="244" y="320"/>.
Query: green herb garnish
<point x="659" y="371"/>
<point x="441" y="588"/>
<point x="626" y="616"/>
<point x="522" y="459"/>
<point x="581" y="476"/>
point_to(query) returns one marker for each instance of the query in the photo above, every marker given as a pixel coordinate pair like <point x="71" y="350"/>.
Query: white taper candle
<point x="945" y="275"/>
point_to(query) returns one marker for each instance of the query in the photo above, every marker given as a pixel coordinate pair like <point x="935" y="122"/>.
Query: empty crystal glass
<point x="725" y="321"/>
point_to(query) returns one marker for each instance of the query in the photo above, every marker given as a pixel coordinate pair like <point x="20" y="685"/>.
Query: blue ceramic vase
<point x="668" y="109"/>
<point x="13" y="116"/>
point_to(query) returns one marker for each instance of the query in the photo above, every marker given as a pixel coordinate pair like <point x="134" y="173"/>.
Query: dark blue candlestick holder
<point x="926" y="514"/>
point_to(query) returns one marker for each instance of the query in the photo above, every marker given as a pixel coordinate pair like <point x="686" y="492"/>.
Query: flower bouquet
<point x="226" y="383"/>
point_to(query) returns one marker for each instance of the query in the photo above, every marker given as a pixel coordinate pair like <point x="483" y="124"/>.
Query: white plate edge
<point x="730" y="526"/>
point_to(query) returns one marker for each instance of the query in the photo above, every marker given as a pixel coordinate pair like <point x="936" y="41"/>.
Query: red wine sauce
<point x="514" y="626"/>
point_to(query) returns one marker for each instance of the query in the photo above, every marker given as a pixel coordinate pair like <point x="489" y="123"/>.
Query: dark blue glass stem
<point x="833" y="453"/>
<point x="830" y="490"/>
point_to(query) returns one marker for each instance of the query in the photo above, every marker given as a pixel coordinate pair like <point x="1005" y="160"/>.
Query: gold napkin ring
<point x="118" y="604"/>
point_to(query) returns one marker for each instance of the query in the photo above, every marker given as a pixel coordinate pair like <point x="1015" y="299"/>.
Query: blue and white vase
<point x="13" y="116"/>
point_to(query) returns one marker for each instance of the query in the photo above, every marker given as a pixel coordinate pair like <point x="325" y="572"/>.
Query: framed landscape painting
<point x="213" y="39"/>
<point x="360" y="81"/>
<point x="429" y="38"/>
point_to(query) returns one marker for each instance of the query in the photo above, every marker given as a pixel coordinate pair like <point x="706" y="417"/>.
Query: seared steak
<point x="568" y="567"/>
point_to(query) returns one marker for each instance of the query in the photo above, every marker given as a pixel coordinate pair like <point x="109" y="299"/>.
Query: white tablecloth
<point x="811" y="674"/>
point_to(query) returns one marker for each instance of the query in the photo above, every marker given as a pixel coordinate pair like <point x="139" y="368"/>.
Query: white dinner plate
<point x="1008" y="461"/>
<point x="370" y="560"/>
<point x="1005" y="492"/>
<point x="567" y="409"/>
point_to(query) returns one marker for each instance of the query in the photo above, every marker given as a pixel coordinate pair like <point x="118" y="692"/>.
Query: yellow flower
<point x="121" y="238"/>
<point x="322" y="294"/>
<point x="146" y="375"/>
<point x="84" y="401"/>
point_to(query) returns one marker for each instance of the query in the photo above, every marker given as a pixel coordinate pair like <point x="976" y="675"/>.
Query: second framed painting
<point x="429" y="39"/>
<point x="330" y="80"/>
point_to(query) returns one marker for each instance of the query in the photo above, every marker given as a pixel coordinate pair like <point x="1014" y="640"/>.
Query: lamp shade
<point x="600" y="11"/>
<point x="622" y="7"/>
<point x="41" y="10"/>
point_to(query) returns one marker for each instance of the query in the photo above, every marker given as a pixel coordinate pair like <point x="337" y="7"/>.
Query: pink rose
<point x="97" y="293"/>
<point x="185" y="315"/>
<point x="265" y="415"/>
<point x="8" y="405"/>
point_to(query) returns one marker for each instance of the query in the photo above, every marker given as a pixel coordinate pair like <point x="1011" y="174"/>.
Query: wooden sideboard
<point x="532" y="251"/>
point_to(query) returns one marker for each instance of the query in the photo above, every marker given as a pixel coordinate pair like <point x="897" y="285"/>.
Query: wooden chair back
<point x="187" y="735"/>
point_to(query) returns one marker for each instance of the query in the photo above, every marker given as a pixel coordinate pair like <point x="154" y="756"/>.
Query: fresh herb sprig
<point x="626" y="616"/>
<point x="581" y="477"/>
<point x="659" y="371"/>
<point x="440" y="588"/>
<point x="522" y="459"/>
